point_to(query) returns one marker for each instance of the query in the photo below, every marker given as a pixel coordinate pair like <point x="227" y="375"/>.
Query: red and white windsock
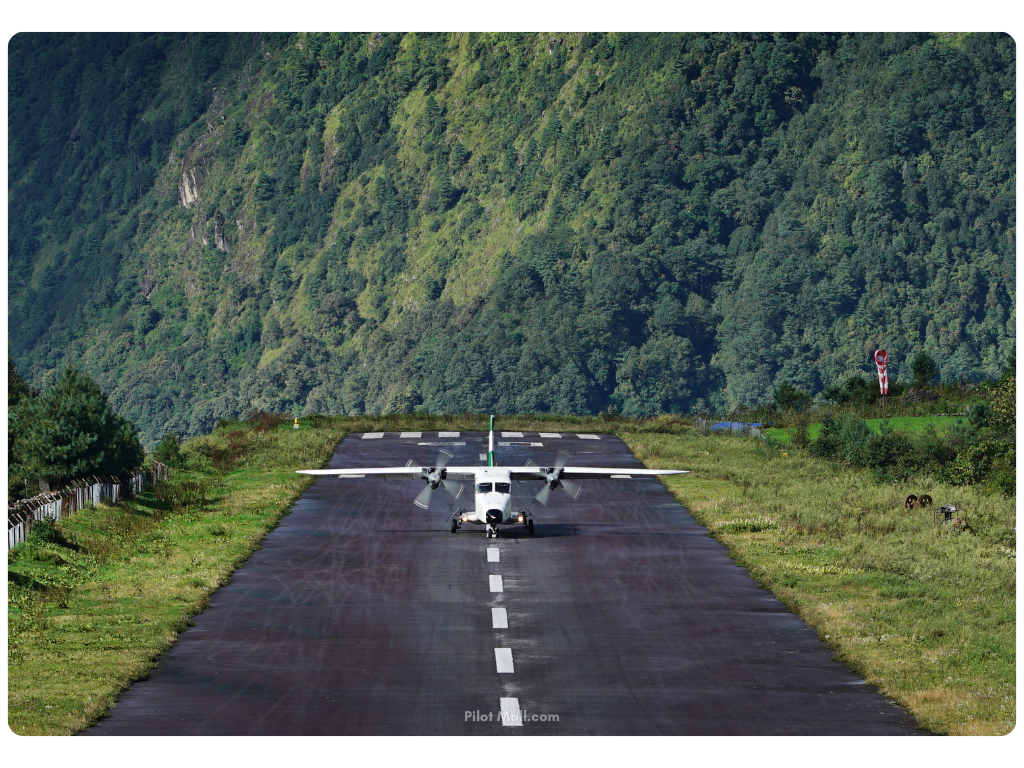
<point x="883" y="373"/>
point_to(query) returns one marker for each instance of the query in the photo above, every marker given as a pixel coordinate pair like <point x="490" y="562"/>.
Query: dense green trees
<point x="69" y="431"/>
<point x="213" y="225"/>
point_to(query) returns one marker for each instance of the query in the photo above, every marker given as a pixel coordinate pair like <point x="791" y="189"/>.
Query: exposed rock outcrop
<point x="188" y="188"/>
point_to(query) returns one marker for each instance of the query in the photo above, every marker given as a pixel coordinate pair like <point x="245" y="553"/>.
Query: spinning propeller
<point x="437" y="476"/>
<point x="554" y="480"/>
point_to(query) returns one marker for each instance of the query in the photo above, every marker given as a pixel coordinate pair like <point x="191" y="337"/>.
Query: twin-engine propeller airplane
<point x="493" y="496"/>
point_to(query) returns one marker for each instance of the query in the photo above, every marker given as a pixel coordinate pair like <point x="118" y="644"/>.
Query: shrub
<point x="788" y="397"/>
<point x="168" y="451"/>
<point x="924" y="369"/>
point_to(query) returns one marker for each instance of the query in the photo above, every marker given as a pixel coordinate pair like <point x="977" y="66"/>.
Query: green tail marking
<point x="490" y="453"/>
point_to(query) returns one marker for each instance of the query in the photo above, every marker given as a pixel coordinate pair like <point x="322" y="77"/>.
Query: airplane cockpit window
<point x="503" y="487"/>
<point x="483" y="487"/>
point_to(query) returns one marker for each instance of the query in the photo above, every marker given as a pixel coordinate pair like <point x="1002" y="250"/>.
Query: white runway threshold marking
<point x="448" y="434"/>
<point x="510" y="714"/>
<point x="499" y="618"/>
<point x="503" y="658"/>
<point x="588" y="437"/>
<point x="496" y="585"/>
<point x="373" y="436"/>
<point x="411" y="434"/>
<point x="493" y="555"/>
<point x="548" y="434"/>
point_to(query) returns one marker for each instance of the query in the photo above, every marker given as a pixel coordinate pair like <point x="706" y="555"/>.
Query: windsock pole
<point x="490" y="445"/>
<point x="881" y="359"/>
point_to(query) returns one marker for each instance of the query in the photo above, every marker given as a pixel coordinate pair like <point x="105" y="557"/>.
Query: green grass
<point x="926" y="614"/>
<point x="84" y="623"/>
<point x="911" y="424"/>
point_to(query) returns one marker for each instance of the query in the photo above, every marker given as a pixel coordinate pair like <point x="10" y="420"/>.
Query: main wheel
<point x="455" y="526"/>
<point x="529" y="524"/>
<point x="488" y="533"/>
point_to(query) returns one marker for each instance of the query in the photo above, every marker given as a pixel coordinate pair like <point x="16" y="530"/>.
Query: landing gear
<point x="493" y="531"/>
<point x="529" y="526"/>
<point x="455" y="526"/>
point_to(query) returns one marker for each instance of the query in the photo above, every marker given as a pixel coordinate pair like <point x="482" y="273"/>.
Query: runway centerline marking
<point x="447" y="434"/>
<point x="496" y="585"/>
<point x="503" y="659"/>
<point x="493" y="555"/>
<point x="511" y="434"/>
<point x="411" y="434"/>
<point x="549" y="434"/>
<point x="510" y="714"/>
<point x="588" y="437"/>
<point x="499" y="618"/>
<point x="373" y="436"/>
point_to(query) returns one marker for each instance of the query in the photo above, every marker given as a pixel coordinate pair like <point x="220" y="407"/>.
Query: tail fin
<point x="490" y="445"/>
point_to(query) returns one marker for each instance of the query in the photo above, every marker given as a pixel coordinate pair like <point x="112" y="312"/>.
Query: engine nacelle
<point x="434" y="476"/>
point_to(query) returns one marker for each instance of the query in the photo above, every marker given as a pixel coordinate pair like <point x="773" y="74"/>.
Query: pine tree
<point x="70" y="431"/>
<point x="924" y="369"/>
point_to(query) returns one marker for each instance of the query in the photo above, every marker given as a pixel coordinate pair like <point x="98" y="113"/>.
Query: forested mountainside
<point x="212" y="224"/>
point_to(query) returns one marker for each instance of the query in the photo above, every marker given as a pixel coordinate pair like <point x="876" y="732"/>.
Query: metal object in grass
<point x="915" y="502"/>
<point x="949" y="515"/>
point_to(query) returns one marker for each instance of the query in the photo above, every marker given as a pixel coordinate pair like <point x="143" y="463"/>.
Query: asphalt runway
<point x="363" y="614"/>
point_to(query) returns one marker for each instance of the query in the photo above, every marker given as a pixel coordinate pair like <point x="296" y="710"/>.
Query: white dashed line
<point x="493" y="553"/>
<point x="496" y="585"/>
<point x="510" y="444"/>
<point x="373" y="436"/>
<point x="503" y="658"/>
<point x="549" y="434"/>
<point x="447" y="434"/>
<point x="411" y="434"/>
<point x="510" y="714"/>
<point x="483" y="457"/>
<point x="499" y="618"/>
<point x="620" y="477"/>
<point x="588" y="437"/>
<point x="511" y="434"/>
<point x="439" y="442"/>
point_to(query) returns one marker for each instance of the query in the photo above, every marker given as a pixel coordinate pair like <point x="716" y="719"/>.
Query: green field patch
<point x="910" y="424"/>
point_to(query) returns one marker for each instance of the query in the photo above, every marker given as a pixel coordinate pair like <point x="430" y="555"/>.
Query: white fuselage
<point x="492" y="497"/>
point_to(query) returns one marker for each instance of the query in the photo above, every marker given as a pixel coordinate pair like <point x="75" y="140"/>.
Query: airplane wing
<point x="516" y="473"/>
<point x="587" y="473"/>
<point x="454" y="473"/>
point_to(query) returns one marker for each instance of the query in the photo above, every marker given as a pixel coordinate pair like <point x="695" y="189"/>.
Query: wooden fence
<point x="56" y="505"/>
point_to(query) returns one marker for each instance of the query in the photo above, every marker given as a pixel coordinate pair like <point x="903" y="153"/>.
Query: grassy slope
<point x="927" y="615"/>
<point x="119" y="602"/>
<point x="912" y="424"/>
